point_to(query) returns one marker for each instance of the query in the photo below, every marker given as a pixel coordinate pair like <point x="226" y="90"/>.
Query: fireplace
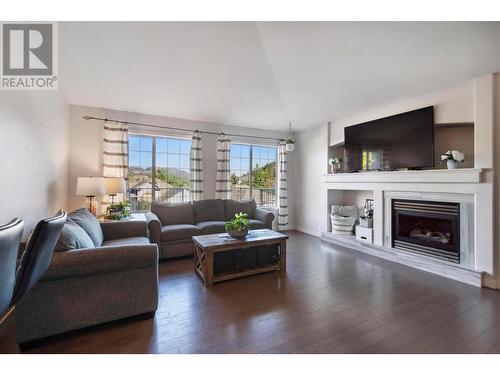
<point x="427" y="227"/>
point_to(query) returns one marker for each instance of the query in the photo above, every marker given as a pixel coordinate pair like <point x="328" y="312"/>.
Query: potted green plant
<point x="238" y="227"/>
<point x="117" y="211"/>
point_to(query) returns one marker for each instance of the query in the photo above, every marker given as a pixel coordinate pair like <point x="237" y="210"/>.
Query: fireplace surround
<point x="469" y="197"/>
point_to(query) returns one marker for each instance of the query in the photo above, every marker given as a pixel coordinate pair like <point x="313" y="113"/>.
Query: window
<point x="253" y="173"/>
<point x="158" y="170"/>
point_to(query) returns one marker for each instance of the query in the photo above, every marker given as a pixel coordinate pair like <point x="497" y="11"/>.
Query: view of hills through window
<point x="253" y="173"/>
<point x="158" y="170"/>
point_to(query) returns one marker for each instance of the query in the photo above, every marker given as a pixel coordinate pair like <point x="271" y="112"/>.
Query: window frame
<point x="250" y="172"/>
<point x="154" y="137"/>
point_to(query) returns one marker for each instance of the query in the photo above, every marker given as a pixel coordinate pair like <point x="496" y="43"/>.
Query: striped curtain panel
<point x="196" y="168"/>
<point x="282" y="188"/>
<point x="115" y="149"/>
<point x="223" y="180"/>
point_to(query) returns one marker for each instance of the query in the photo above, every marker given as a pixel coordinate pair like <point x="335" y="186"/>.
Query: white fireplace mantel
<point x="465" y="175"/>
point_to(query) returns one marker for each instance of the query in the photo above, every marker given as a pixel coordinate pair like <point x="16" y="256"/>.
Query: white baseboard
<point x="315" y="233"/>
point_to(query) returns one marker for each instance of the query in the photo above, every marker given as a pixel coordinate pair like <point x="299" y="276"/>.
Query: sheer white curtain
<point x="282" y="188"/>
<point x="115" y="149"/>
<point x="196" y="168"/>
<point x="223" y="179"/>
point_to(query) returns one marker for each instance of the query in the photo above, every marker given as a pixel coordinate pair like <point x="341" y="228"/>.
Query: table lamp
<point x="114" y="185"/>
<point x="90" y="187"/>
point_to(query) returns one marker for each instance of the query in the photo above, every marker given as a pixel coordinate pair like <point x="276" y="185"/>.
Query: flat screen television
<point x="401" y="141"/>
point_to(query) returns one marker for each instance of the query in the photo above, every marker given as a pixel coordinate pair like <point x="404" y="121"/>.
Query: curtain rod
<point x="181" y="129"/>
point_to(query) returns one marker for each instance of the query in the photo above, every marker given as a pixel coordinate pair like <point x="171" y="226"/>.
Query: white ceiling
<point x="266" y="73"/>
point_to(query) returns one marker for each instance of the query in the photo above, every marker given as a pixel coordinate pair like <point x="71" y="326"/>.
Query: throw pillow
<point x="89" y="223"/>
<point x="73" y="237"/>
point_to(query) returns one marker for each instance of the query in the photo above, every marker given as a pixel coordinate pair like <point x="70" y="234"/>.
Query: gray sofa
<point x="114" y="279"/>
<point x="171" y="226"/>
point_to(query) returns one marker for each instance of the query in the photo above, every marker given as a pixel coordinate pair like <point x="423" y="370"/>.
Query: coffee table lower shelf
<point x="238" y="274"/>
<point x="206" y="246"/>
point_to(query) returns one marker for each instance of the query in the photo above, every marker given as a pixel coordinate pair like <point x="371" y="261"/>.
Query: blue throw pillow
<point x="73" y="237"/>
<point x="89" y="223"/>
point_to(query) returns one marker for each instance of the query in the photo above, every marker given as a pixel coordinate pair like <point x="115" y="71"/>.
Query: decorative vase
<point x="334" y="168"/>
<point x="238" y="234"/>
<point x="451" y="164"/>
<point x="290" y="146"/>
<point x="366" y="221"/>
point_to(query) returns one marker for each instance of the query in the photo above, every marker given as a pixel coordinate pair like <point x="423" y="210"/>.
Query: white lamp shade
<point x="115" y="185"/>
<point x="90" y="186"/>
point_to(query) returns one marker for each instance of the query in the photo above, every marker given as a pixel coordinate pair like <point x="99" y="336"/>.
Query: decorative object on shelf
<point x="364" y="234"/>
<point x="90" y="187"/>
<point x="343" y="219"/>
<point x="453" y="158"/>
<point x="366" y="220"/>
<point x="238" y="227"/>
<point x="118" y="211"/>
<point x="114" y="186"/>
<point x="335" y="164"/>
<point x="290" y="142"/>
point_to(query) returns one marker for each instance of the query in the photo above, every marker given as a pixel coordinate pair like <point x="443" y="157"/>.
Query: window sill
<point x="268" y="207"/>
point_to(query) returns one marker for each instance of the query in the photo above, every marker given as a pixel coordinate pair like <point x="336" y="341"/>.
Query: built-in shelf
<point x="465" y="175"/>
<point x="454" y="124"/>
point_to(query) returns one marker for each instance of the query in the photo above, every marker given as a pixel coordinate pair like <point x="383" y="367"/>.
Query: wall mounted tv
<point x="401" y="141"/>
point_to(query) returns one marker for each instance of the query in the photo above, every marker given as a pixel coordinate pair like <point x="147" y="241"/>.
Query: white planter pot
<point x="452" y="164"/>
<point x="334" y="168"/>
<point x="290" y="146"/>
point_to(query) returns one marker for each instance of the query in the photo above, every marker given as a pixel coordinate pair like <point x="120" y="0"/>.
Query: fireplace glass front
<point x="426" y="227"/>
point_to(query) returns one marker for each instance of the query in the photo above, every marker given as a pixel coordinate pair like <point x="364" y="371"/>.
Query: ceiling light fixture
<point x="290" y="142"/>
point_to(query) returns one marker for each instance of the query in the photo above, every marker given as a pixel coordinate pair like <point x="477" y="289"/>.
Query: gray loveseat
<point x="114" y="276"/>
<point x="171" y="226"/>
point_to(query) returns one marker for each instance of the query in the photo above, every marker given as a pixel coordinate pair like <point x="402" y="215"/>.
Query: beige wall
<point x="453" y="105"/>
<point x="85" y="142"/>
<point x="454" y="138"/>
<point x="33" y="155"/>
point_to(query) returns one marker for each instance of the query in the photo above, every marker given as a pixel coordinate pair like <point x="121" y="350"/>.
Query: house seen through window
<point x="158" y="170"/>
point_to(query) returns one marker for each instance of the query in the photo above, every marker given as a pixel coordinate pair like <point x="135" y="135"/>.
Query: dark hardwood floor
<point x="331" y="300"/>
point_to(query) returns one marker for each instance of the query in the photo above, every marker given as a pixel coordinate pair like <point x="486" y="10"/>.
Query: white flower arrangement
<point x="454" y="155"/>
<point x="334" y="161"/>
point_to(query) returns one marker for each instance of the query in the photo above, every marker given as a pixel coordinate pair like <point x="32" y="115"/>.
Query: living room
<point x="250" y="187"/>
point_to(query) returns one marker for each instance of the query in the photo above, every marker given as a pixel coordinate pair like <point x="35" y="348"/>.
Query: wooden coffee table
<point x="206" y="246"/>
